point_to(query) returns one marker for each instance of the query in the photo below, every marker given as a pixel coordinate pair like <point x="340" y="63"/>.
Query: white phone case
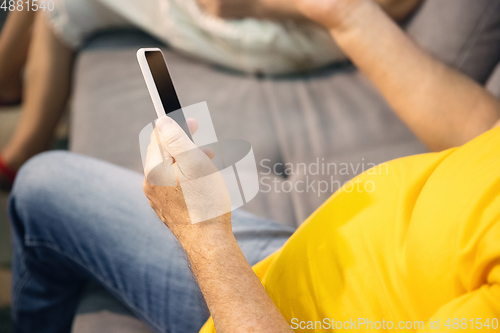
<point x="148" y="77"/>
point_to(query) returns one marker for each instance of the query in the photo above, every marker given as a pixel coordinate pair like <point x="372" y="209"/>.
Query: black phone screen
<point x="165" y="87"/>
<point x="163" y="81"/>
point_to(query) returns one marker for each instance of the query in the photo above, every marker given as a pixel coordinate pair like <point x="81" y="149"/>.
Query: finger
<point x="193" y="127"/>
<point x="153" y="155"/>
<point x="154" y="140"/>
<point x="211" y="7"/>
<point x="209" y="152"/>
<point x="192" y="124"/>
<point x="192" y="162"/>
<point x="158" y="169"/>
<point x="157" y="137"/>
<point x="172" y="136"/>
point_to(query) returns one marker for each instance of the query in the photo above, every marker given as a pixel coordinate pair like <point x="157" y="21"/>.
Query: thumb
<point x="172" y="137"/>
<point x="193" y="163"/>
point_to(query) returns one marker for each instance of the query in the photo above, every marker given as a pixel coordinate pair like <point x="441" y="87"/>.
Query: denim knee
<point x="38" y="174"/>
<point x="36" y="181"/>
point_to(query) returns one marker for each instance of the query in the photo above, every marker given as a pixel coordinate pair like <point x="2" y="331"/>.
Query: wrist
<point x="204" y="235"/>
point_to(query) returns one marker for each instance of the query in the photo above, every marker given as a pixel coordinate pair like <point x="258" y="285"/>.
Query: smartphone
<point x="160" y="85"/>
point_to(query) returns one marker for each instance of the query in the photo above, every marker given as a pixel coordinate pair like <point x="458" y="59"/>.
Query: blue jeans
<point x="76" y="219"/>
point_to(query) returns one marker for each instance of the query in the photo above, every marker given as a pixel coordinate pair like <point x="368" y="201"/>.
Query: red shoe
<point x="7" y="176"/>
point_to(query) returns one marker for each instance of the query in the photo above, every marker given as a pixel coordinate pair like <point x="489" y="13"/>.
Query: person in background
<point x="424" y="244"/>
<point x="37" y="51"/>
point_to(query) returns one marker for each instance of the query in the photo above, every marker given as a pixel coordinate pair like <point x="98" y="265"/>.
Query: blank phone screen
<point x="163" y="81"/>
<point x="165" y="88"/>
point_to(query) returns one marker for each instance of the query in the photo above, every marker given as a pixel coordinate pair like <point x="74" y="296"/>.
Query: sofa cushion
<point x="109" y="322"/>
<point x="100" y="311"/>
<point x="334" y="115"/>
<point x="111" y="105"/>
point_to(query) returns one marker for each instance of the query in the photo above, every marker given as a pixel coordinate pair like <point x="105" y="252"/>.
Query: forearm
<point x="443" y="107"/>
<point x="237" y="300"/>
<point x="399" y="10"/>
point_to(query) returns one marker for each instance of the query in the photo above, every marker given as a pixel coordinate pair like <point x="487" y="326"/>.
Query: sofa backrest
<point x="463" y="33"/>
<point x="494" y="82"/>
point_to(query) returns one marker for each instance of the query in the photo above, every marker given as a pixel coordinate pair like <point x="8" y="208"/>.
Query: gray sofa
<point x="334" y="115"/>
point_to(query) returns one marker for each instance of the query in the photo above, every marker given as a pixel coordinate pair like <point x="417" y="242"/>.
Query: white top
<point x="248" y="45"/>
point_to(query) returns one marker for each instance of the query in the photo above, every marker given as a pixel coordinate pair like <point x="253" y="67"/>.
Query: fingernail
<point x="163" y="123"/>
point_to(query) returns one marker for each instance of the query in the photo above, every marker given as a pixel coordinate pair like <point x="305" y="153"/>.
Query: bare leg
<point x="14" y="43"/>
<point x="46" y="90"/>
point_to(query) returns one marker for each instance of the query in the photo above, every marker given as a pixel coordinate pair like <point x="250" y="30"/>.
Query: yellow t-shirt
<point x="409" y="242"/>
